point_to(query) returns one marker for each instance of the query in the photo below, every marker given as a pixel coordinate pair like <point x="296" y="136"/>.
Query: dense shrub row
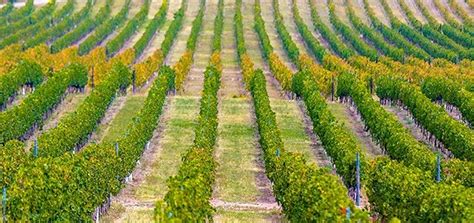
<point x="38" y="15"/>
<point x="336" y="44"/>
<point x="82" y="28"/>
<point x="454" y="135"/>
<point x="173" y="29"/>
<point x="393" y="36"/>
<point x="190" y="191"/>
<point x="24" y="73"/>
<point x="130" y="28"/>
<point x="378" y="40"/>
<point x="104" y="29"/>
<point x="157" y="21"/>
<point x="86" y="117"/>
<point x="350" y="36"/>
<point x="437" y="88"/>
<point x="87" y="179"/>
<point x="60" y="28"/>
<point x="20" y="119"/>
<point x="313" y="44"/>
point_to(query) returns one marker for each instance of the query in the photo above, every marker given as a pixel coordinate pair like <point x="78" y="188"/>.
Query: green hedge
<point x="157" y="21"/>
<point x="87" y="179"/>
<point x="83" y="27"/>
<point x="75" y="128"/>
<point x="114" y="45"/>
<point x="24" y="73"/>
<point x="458" y="138"/>
<point x="18" y="120"/>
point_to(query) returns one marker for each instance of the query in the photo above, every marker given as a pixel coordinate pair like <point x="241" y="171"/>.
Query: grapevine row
<point x="454" y="135"/>
<point x="157" y="21"/>
<point x="336" y="44"/>
<point x="93" y="174"/>
<point x="197" y="172"/>
<point x="103" y="30"/>
<point x="17" y="121"/>
<point x="281" y="168"/>
<point x="59" y="29"/>
<point x="378" y="40"/>
<point x="86" y="117"/>
<point x="24" y="73"/>
<point x="82" y="29"/>
<point x="362" y="47"/>
<point x="40" y="14"/>
<point x="393" y="36"/>
<point x="130" y="28"/>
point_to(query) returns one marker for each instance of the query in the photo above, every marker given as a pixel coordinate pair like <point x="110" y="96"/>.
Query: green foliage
<point x="12" y="155"/>
<point x="157" y="21"/>
<point x="451" y="92"/>
<point x="5" y="10"/>
<point x="83" y="27"/>
<point x="38" y="15"/>
<point x="409" y="195"/>
<point x="337" y="141"/>
<point x="378" y="40"/>
<point x="350" y="36"/>
<point x="239" y="29"/>
<point x="25" y="73"/>
<point x="132" y="26"/>
<point x="218" y="27"/>
<point x="384" y="127"/>
<point x="336" y="44"/>
<point x="104" y="29"/>
<point x="19" y="14"/>
<point x="74" y="129"/>
<point x="173" y="29"/>
<point x="288" y="43"/>
<point x="458" y="138"/>
<point x="18" y="120"/>
<point x="60" y="28"/>
<point x="85" y="180"/>
<point x="305" y="192"/>
<point x="259" y="26"/>
<point x="196" y="27"/>
<point x="395" y="37"/>
<point x="191" y="189"/>
<point x="313" y="44"/>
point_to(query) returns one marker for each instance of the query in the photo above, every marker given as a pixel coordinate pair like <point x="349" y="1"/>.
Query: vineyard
<point x="237" y="111"/>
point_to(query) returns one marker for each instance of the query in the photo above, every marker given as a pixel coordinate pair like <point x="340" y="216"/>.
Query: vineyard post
<point x="35" y="149"/>
<point x="438" y="168"/>
<point x="358" y="180"/>
<point x="133" y="80"/>
<point x="332" y="88"/>
<point x="4" y="204"/>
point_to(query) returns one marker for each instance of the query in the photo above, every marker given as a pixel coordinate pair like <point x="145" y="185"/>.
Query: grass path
<point x="174" y="135"/>
<point x="242" y="191"/>
<point x="347" y="115"/>
<point x="194" y="81"/>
